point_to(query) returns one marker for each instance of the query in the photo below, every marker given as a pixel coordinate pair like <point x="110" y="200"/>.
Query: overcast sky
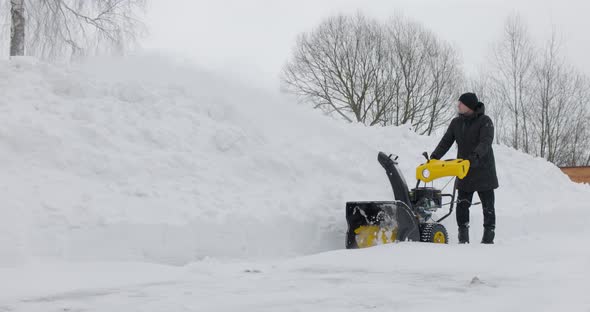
<point x="252" y="39"/>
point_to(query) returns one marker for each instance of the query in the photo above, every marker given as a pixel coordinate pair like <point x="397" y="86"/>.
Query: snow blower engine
<point x="410" y="216"/>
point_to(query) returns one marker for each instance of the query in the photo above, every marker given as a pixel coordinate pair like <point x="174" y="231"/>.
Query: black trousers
<point x="487" y="200"/>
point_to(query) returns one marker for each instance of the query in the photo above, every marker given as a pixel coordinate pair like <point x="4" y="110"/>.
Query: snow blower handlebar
<point x="434" y="169"/>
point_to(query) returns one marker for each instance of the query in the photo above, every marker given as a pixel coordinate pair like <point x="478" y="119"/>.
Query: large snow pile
<point x="148" y="160"/>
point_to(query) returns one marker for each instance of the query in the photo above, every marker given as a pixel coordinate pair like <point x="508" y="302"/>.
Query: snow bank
<point x="143" y="159"/>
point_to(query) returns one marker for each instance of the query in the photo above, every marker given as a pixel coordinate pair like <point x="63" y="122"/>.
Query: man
<point x="474" y="133"/>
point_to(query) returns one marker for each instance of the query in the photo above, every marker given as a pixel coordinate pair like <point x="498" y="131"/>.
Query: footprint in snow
<point x="475" y="281"/>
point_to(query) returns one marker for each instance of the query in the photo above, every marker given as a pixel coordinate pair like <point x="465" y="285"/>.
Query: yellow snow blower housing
<point x="436" y="169"/>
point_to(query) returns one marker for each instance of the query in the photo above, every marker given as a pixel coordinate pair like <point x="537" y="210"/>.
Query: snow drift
<point x="149" y="160"/>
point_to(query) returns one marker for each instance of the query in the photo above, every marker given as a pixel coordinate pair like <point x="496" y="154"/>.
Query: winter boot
<point x="464" y="234"/>
<point x="488" y="236"/>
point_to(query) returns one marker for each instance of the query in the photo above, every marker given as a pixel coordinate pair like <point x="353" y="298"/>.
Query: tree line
<point x="397" y="72"/>
<point x="540" y="101"/>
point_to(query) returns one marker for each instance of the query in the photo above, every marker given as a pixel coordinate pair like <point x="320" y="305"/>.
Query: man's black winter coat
<point x="474" y="135"/>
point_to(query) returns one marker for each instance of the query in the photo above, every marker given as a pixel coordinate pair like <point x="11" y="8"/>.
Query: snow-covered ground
<point x="146" y="185"/>
<point x="519" y="276"/>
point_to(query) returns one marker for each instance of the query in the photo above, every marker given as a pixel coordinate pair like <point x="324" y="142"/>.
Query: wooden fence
<point x="578" y="174"/>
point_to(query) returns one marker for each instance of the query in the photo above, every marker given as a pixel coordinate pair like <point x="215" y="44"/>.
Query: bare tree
<point x="70" y="28"/>
<point x="576" y="150"/>
<point x="17" y="27"/>
<point x="545" y="100"/>
<point x="342" y="68"/>
<point x="428" y="75"/>
<point x="512" y="73"/>
<point x="445" y="80"/>
<point x="538" y="101"/>
<point x="557" y="93"/>
<point x="410" y="44"/>
<point x="365" y="71"/>
<point x="482" y="85"/>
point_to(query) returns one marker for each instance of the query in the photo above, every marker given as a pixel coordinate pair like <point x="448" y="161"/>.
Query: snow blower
<point x="410" y="216"/>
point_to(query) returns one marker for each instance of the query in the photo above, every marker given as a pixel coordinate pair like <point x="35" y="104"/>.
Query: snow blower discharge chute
<point x="410" y="216"/>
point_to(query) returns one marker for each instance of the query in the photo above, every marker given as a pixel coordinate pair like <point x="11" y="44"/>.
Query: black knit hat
<point x="470" y="100"/>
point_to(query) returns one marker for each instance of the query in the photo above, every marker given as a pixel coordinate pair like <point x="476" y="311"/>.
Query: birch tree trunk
<point x="17" y="28"/>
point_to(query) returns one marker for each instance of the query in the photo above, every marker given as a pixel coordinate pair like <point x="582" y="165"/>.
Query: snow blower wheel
<point x="433" y="233"/>
<point x="410" y="216"/>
